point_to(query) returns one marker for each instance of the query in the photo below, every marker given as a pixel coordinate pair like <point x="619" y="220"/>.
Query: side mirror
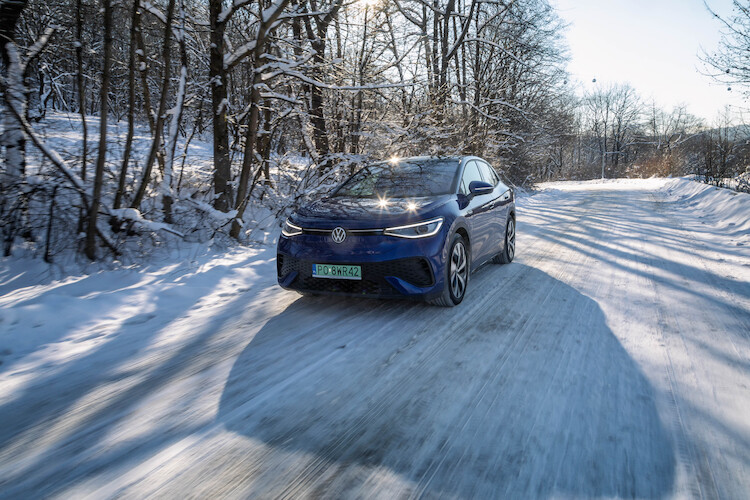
<point x="479" y="187"/>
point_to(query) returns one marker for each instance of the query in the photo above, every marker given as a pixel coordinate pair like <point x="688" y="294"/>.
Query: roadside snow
<point x="724" y="211"/>
<point x="47" y="323"/>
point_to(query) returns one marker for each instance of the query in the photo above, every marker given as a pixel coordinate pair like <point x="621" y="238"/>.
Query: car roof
<point x="435" y="157"/>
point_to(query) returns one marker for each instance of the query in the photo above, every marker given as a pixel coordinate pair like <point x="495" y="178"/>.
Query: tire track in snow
<point x="692" y="461"/>
<point x="702" y="263"/>
<point x="515" y="351"/>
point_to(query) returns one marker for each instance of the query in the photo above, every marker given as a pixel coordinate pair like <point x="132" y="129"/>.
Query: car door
<point x="498" y="208"/>
<point x="477" y="212"/>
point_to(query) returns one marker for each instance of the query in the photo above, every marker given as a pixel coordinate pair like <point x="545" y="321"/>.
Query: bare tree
<point x="666" y="133"/>
<point x="613" y="114"/>
<point x="626" y="111"/>
<point x="317" y="36"/>
<point x="13" y="138"/>
<point x="101" y="159"/>
<point x="176" y="118"/>
<point x="135" y="22"/>
<point x="156" y="143"/>
<point x="260" y="45"/>
<point x="730" y="64"/>
<point x="219" y="103"/>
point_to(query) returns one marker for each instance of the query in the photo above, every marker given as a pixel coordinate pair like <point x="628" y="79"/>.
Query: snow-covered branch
<point x="35" y="50"/>
<point x="231" y="59"/>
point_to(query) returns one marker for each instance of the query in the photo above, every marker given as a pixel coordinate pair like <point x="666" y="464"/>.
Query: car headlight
<point x="418" y="230"/>
<point x="288" y="229"/>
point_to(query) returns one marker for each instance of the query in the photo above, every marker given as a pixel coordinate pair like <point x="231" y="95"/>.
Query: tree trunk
<point x="317" y="38"/>
<point x="247" y="159"/>
<point x="159" y="125"/>
<point x="14" y="138"/>
<point x="81" y="103"/>
<point x="444" y="60"/>
<point x="81" y="87"/>
<point x="399" y="66"/>
<point x="143" y="71"/>
<point x="174" y="126"/>
<point x="357" y="100"/>
<point x="102" y="155"/>
<point x="320" y="132"/>
<point x="134" y="27"/>
<point x="218" y="82"/>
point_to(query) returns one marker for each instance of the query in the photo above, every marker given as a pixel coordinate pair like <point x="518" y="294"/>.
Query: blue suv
<point x="411" y="227"/>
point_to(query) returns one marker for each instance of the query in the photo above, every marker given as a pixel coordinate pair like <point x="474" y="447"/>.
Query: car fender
<point x="459" y="223"/>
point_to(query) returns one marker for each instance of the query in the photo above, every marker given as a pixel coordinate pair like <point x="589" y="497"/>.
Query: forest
<point x="289" y="96"/>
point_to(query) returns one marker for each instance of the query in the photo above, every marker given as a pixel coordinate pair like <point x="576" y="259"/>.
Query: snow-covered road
<point x="611" y="359"/>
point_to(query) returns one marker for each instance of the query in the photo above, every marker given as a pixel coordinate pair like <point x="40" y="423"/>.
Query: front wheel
<point x="509" y="249"/>
<point x="456" y="274"/>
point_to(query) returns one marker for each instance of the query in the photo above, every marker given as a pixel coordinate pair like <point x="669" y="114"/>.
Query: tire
<point x="456" y="274"/>
<point x="509" y="246"/>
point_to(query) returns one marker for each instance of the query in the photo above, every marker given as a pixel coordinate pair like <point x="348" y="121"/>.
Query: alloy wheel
<point x="510" y="239"/>
<point x="458" y="270"/>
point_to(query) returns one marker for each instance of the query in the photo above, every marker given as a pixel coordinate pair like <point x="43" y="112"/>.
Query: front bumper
<point x="391" y="267"/>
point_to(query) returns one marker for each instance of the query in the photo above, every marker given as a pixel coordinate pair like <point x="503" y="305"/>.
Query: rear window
<point x="402" y="179"/>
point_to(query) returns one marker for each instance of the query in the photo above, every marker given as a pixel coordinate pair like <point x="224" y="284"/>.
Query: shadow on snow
<point x="526" y="393"/>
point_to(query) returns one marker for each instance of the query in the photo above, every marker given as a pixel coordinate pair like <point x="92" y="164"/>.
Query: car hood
<point x="368" y="213"/>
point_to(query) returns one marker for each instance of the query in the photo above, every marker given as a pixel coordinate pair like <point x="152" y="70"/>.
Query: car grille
<point x="414" y="270"/>
<point x="354" y="232"/>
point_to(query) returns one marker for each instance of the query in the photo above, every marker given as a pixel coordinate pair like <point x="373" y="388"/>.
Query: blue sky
<point x="651" y="44"/>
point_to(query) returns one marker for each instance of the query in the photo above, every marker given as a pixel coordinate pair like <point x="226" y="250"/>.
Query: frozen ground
<point x="611" y="359"/>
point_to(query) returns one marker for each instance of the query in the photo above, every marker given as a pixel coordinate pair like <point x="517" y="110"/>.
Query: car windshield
<point x="402" y="179"/>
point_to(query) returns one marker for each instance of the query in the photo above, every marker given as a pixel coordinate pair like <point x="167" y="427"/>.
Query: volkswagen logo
<point x="338" y="235"/>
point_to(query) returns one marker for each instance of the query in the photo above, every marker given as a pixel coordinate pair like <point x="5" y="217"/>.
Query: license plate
<point x="337" y="271"/>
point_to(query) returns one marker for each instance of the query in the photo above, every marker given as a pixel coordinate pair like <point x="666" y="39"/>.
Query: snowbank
<point x="725" y="210"/>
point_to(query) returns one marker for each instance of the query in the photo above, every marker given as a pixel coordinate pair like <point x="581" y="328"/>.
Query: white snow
<point x="611" y="359"/>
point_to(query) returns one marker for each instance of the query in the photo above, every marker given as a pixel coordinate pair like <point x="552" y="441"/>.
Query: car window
<point x="488" y="170"/>
<point x="487" y="173"/>
<point x="471" y="173"/>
